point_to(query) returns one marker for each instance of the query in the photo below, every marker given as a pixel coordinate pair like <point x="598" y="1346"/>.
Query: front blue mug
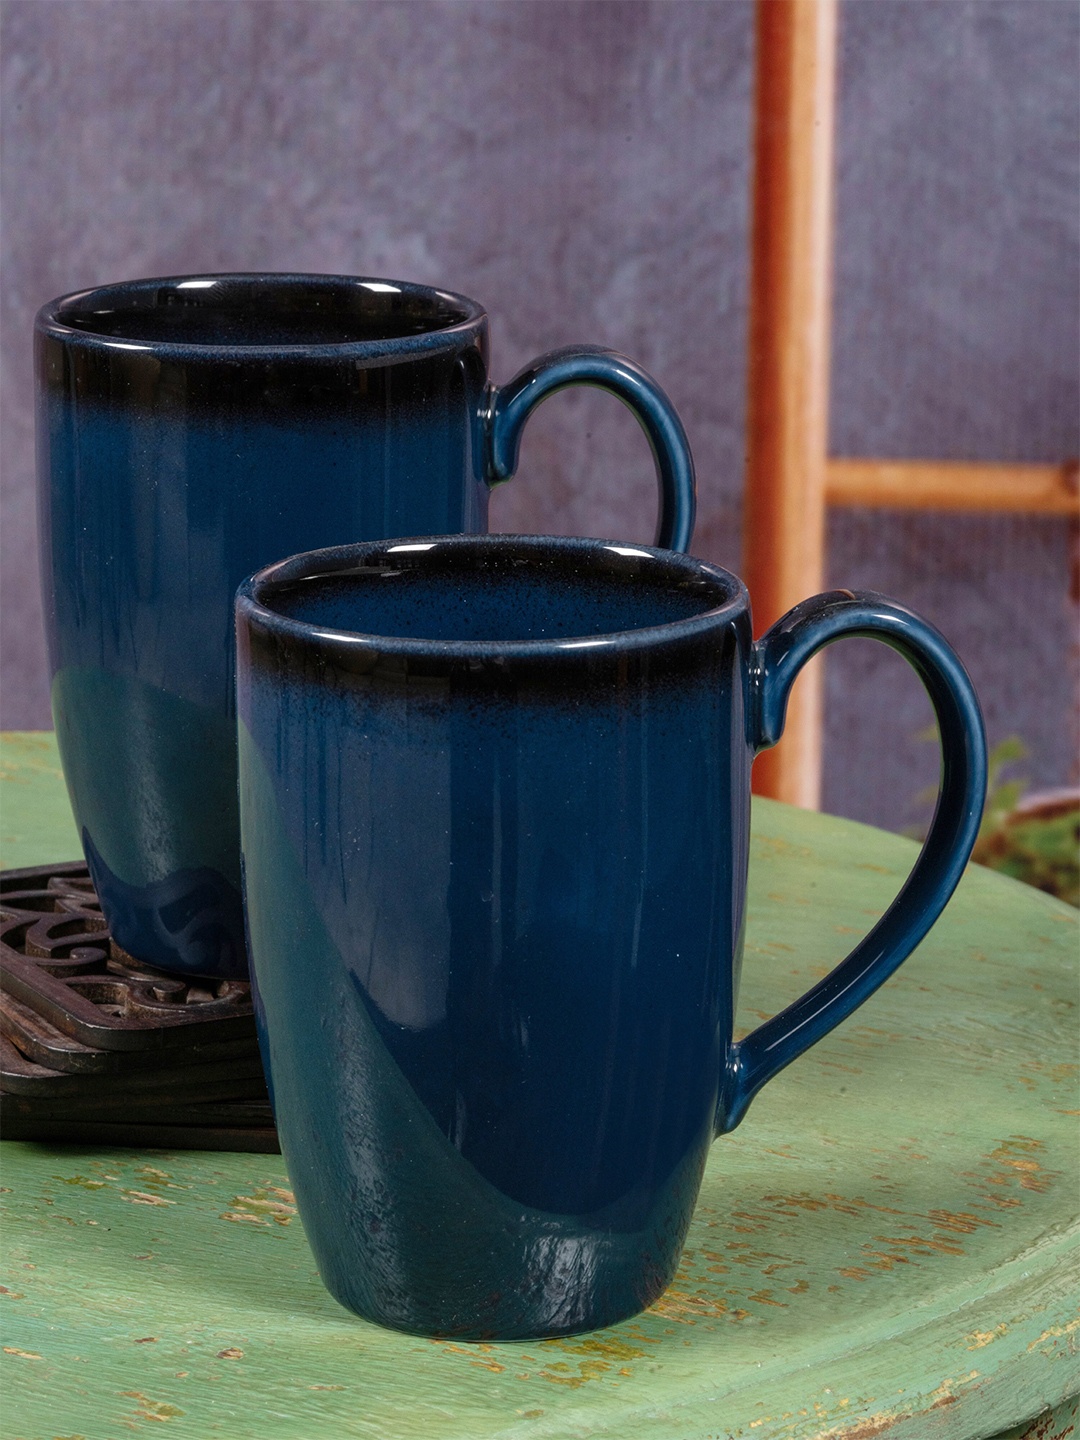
<point x="495" y="800"/>
<point x="191" y="430"/>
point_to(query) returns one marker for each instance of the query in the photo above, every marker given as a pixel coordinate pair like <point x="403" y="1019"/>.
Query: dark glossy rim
<point x="254" y="598"/>
<point x="49" y="319"/>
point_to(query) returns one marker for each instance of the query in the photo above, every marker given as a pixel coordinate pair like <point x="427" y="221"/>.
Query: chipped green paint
<point x="886" y="1248"/>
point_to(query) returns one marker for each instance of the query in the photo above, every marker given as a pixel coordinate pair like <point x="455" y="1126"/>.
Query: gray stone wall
<point x="955" y="336"/>
<point x="583" y="169"/>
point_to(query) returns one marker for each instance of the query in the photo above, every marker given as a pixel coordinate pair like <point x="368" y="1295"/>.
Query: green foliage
<point x="1041" y="849"/>
<point x="1002" y="796"/>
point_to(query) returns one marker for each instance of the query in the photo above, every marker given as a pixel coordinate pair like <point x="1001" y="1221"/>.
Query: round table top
<point x="887" y="1245"/>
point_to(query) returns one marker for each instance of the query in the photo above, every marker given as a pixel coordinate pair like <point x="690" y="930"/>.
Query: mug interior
<point x="492" y="590"/>
<point x="242" y="310"/>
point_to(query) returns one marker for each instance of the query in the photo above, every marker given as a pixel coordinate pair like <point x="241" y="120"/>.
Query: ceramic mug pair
<point x="494" y="801"/>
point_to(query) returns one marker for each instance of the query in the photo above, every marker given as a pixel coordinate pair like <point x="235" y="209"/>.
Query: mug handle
<point x="776" y="660"/>
<point x="509" y="406"/>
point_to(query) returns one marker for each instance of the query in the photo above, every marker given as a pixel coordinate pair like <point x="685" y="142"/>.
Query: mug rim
<point x="251" y="601"/>
<point x="49" y="319"/>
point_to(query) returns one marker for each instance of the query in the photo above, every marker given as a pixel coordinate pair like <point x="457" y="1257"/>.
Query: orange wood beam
<point x="788" y="377"/>
<point x="954" y="485"/>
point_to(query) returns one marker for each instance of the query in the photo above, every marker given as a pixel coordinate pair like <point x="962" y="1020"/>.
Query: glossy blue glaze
<point x="192" y="430"/>
<point x="495" y="809"/>
<point x="779" y="656"/>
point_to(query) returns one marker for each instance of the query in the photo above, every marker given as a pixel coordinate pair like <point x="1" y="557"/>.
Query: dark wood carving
<point x="98" y="1048"/>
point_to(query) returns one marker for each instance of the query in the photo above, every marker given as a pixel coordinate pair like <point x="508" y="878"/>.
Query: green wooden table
<point x="887" y="1247"/>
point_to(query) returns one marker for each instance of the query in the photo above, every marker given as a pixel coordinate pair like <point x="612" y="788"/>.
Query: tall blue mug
<point x="191" y="430"/>
<point x="495" y="799"/>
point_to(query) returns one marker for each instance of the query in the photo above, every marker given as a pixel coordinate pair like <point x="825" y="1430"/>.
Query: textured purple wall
<point x="583" y="169"/>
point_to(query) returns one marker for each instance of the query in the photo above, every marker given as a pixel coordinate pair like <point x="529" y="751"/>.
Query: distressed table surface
<point x="886" y="1247"/>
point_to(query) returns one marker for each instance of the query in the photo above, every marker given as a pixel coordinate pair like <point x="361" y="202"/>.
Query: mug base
<point x="542" y="1324"/>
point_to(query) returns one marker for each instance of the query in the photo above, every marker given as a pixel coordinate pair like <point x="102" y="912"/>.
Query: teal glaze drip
<point x="406" y="1225"/>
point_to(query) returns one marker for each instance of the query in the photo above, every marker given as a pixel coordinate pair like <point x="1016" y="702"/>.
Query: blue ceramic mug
<point x="495" y="802"/>
<point x="191" y="430"/>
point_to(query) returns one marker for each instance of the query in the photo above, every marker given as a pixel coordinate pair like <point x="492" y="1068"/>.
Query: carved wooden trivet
<point x="98" y="1048"/>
